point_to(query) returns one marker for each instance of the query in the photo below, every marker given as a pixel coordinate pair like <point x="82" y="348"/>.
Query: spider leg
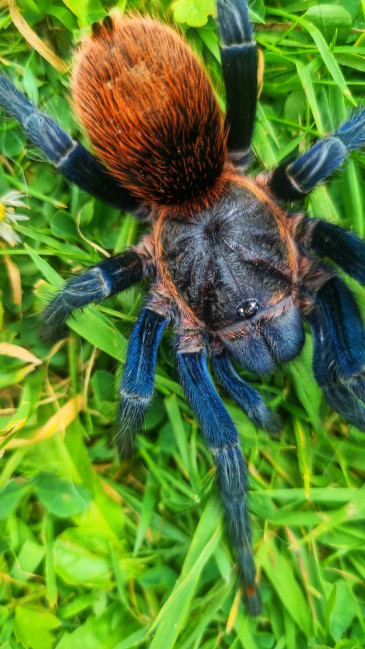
<point x="107" y="278"/>
<point x="246" y="397"/>
<point x="345" y="248"/>
<point x="292" y="181"/>
<point x="339" y="350"/>
<point x="278" y="340"/>
<point x="67" y="155"/>
<point x="222" y="438"/>
<point x="136" y="389"/>
<point x="239" y="66"/>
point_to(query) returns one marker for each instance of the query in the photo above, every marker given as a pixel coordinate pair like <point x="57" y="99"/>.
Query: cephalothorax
<point x="233" y="271"/>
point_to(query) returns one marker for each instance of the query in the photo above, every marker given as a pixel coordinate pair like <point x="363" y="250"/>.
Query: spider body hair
<point x="150" y="113"/>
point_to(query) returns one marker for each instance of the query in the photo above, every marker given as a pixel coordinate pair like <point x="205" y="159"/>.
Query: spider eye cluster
<point x="247" y="309"/>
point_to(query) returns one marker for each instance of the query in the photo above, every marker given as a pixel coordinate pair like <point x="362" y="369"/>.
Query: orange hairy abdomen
<point x="150" y="112"/>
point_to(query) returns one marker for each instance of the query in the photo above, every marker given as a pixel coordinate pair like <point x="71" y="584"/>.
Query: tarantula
<point x="232" y="269"/>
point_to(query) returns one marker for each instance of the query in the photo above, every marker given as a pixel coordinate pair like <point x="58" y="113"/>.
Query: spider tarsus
<point x="252" y="600"/>
<point x="96" y="29"/>
<point x="272" y="424"/>
<point x="50" y="334"/>
<point x="125" y="445"/>
<point x="108" y="23"/>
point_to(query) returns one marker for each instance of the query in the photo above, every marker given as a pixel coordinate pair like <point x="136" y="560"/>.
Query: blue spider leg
<point x="345" y="248"/>
<point x="239" y="66"/>
<point x="107" y="278"/>
<point x="292" y="181"/>
<point x="222" y="438"/>
<point x="136" y="389"/>
<point x="246" y="397"/>
<point x="251" y="352"/>
<point x="339" y="350"/>
<point x="345" y="326"/>
<point x="68" y="156"/>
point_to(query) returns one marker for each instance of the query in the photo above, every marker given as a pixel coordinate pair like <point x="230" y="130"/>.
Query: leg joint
<point x="225" y="447"/>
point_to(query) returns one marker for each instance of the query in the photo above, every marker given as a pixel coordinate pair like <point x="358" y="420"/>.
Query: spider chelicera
<point x="231" y="269"/>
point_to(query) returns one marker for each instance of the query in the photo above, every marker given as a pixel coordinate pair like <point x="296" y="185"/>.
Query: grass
<point x="114" y="555"/>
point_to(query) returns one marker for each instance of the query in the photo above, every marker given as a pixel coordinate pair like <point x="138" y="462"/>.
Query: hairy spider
<point x="232" y="269"/>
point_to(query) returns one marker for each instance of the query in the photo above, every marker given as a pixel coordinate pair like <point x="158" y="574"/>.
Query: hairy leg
<point x="136" y="389"/>
<point x="339" y="350"/>
<point x="222" y="438"/>
<point x="345" y="248"/>
<point x="239" y="65"/>
<point x="109" y="277"/>
<point x="292" y="181"/>
<point x="245" y="396"/>
<point x="67" y="155"/>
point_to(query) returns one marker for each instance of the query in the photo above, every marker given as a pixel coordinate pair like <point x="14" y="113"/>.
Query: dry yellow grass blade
<point x="234" y="611"/>
<point x="14" y="427"/>
<point x="34" y="40"/>
<point x="8" y="349"/>
<point x="55" y="424"/>
<point x="15" y="280"/>
<point x="112" y="493"/>
<point x="260" y="72"/>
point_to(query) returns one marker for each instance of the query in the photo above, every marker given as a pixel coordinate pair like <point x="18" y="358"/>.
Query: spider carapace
<point x="233" y="270"/>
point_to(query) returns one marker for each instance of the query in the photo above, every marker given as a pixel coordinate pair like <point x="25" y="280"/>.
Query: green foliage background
<point x="107" y="555"/>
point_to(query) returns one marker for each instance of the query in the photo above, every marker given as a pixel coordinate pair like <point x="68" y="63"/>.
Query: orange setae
<point x="150" y="112"/>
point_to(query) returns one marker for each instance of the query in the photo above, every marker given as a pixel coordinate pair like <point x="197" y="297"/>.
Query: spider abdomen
<point x="150" y="112"/>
